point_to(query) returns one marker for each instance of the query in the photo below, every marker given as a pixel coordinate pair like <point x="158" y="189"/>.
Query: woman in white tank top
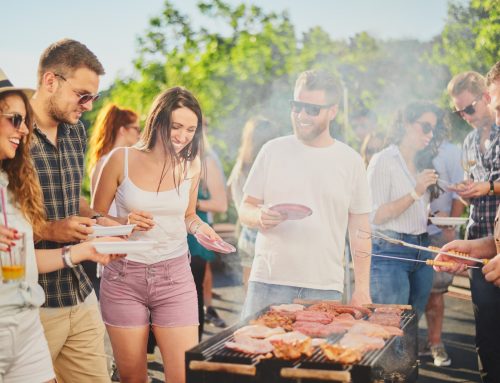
<point x="155" y="187"/>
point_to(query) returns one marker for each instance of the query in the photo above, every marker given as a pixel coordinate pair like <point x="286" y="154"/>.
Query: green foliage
<point x="470" y="38"/>
<point x="250" y="68"/>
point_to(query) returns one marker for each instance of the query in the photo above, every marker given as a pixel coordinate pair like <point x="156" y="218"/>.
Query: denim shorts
<point x="260" y="295"/>
<point x="132" y="291"/>
<point x="401" y="282"/>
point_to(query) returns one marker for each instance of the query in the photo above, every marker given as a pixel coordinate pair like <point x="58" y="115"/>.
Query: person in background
<point x="68" y="80"/>
<point x="155" y="186"/>
<point x="211" y="199"/>
<point x="401" y="189"/>
<point x="114" y="127"/>
<point x="447" y="164"/>
<point x="373" y="143"/>
<point x="24" y="353"/>
<point x="303" y="258"/>
<point x="363" y="124"/>
<point x="257" y="131"/>
<point x="481" y="161"/>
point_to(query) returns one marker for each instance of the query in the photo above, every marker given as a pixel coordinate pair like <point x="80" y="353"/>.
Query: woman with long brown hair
<point x="155" y="186"/>
<point x="24" y="353"/>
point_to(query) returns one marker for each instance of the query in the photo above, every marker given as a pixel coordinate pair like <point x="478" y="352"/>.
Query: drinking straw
<point x="4" y="211"/>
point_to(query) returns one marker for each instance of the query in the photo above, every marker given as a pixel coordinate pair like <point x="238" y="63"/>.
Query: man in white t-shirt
<point x="303" y="258"/>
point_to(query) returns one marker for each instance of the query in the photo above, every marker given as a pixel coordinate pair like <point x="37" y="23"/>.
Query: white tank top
<point x="168" y="209"/>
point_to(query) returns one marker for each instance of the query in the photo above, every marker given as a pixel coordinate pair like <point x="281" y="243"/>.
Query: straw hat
<point x="6" y="86"/>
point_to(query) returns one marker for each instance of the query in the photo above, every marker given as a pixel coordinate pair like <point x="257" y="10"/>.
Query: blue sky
<point x="110" y="27"/>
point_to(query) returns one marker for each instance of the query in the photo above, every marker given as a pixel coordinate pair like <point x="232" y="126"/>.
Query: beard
<point x="310" y="133"/>
<point x="57" y="114"/>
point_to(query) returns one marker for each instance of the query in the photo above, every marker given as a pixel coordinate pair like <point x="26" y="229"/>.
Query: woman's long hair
<point x="257" y="131"/>
<point x="108" y="123"/>
<point x="409" y="115"/>
<point x="24" y="185"/>
<point x="159" y="127"/>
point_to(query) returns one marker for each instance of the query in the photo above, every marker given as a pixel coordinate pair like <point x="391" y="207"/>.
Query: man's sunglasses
<point x="470" y="109"/>
<point x="83" y="98"/>
<point x="311" y="109"/>
<point x="15" y="119"/>
<point x="426" y="127"/>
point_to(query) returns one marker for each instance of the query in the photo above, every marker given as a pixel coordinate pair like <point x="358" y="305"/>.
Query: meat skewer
<point x="429" y="262"/>
<point x="431" y="250"/>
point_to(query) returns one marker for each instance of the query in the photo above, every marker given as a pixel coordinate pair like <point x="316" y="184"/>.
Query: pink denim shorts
<point x="131" y="291"/>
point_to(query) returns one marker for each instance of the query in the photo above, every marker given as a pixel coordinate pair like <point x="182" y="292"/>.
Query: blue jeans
<point x="401" y="282"/>
<point x="260" y="295"/>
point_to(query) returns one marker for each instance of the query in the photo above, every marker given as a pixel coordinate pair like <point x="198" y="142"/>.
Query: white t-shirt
<point x="332" y="182"/>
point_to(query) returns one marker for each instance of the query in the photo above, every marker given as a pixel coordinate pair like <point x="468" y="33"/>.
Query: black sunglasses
<point x="311" y="109"/>
<point x="469" y="109"/>
<point x="15" y="119"/>
<point x="426" y="127"/>
<point x="83" y="98"/>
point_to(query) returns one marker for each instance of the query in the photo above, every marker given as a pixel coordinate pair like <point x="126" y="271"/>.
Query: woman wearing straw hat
<point x="24" y="354"/>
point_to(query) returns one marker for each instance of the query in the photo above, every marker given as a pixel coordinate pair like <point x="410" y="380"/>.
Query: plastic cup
<point x="14" y="261"/>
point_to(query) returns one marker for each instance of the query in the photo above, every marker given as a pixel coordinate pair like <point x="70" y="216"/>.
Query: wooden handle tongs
<point x="377" y="234"/>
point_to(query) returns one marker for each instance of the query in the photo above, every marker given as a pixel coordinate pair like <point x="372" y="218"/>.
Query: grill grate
<point x="376" y="364"/>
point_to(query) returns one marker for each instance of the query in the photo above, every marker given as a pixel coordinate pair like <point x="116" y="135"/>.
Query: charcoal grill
<point x="211" y="362"/>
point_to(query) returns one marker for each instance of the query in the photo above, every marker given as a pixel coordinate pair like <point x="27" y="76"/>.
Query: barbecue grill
<point x="211" y="362"/>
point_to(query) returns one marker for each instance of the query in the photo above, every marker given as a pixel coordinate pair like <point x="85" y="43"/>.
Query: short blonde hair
<point x="471" y="81"/>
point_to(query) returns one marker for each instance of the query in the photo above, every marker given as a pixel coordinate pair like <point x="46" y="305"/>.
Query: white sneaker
<point x="441" y="358"/>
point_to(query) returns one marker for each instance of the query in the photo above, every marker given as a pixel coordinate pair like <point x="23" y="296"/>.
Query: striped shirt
<point x="389" y="180"/>
<point x="60" y="170"/>
<point x="483" y="167"/>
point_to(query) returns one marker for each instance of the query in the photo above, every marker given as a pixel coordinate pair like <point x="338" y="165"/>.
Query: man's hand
<point x="360" y="298"/>
<point x="461" y="246"/>
<point x="475" y="189"/>
<point x="69" y="229"/>
<point x="269" y="218"/>
<point x="491" y="271"/>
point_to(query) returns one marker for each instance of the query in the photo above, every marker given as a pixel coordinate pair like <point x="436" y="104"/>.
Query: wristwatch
<point x="492" y="188"/>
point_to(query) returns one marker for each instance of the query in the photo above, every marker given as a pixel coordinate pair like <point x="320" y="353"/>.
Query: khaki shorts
<point x="75" y="336"/>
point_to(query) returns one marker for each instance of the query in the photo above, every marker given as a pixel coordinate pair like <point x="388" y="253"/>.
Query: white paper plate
<point x="448" y="221"/>
<point x="123" y="247"/>
<point x="111" y="231"/>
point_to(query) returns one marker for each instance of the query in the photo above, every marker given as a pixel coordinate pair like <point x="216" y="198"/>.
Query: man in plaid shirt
<point x="481" y="162"/>
<point x="68" y="79"/>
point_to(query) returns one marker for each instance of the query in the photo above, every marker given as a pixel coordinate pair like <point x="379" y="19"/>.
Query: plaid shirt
<point x="485" y="167"/>
<point x="60" y="170"/>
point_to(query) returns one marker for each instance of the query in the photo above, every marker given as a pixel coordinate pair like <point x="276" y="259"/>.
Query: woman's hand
<point x="7" y="235"/>
<point x="207" y="230"/>
<point x="425" y="178"/>
<point x="142" y="219"/>
<point x="269" y="218"/>
<point x="85" y="251"/>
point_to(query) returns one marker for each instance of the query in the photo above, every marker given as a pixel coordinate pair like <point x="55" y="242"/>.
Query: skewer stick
<point x="4" y="212"/>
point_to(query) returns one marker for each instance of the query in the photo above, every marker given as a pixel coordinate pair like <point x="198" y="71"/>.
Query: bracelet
<point x="96" y="216"/>
<point x="66" y="256"/>
<point x="191" y="224"/>
<point x="415" y="195"/>
<point x="196" y="228"/>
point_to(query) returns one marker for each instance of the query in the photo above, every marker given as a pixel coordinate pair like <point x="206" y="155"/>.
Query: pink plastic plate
<point x="292" y="210"/>
<point x="218" y="246"/>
